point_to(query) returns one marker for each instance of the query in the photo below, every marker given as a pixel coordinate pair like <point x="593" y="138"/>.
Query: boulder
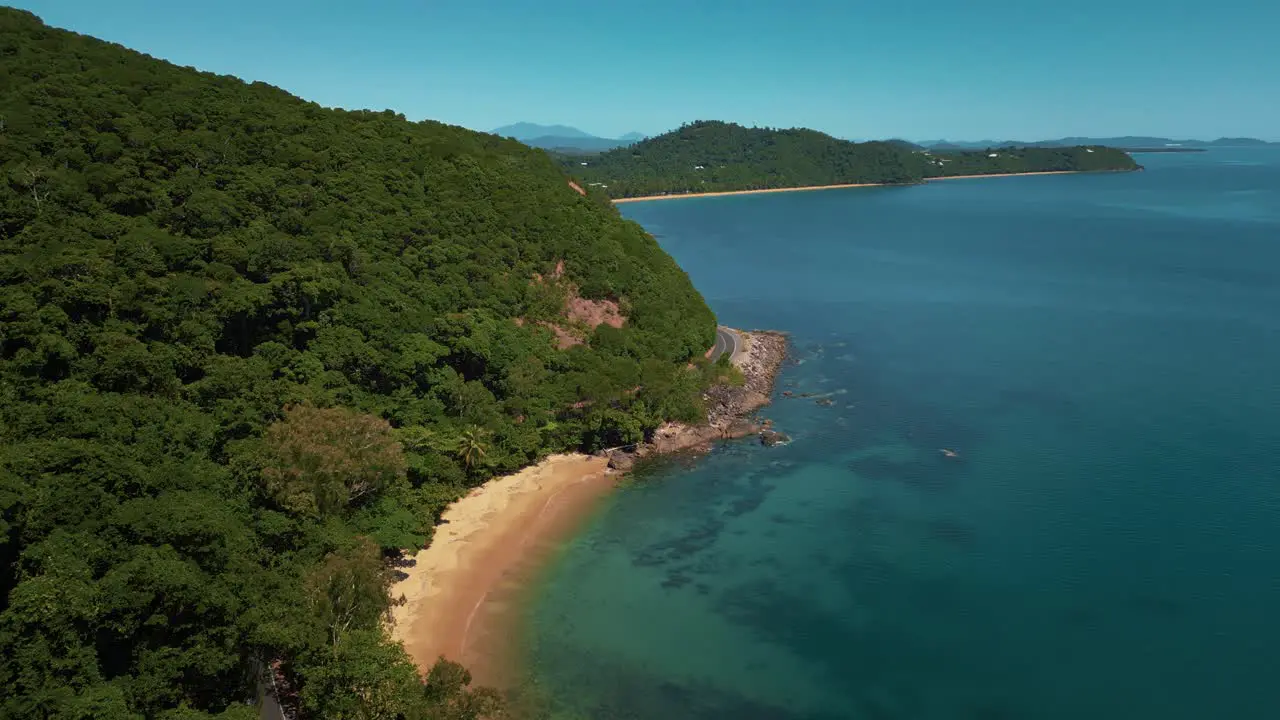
<point x="621" y="461"/>
<point x="741" y="429"/>
<point x="769" y="438"/>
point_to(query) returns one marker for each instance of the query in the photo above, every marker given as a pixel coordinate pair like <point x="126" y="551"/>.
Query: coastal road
<point x="727" y="340"/>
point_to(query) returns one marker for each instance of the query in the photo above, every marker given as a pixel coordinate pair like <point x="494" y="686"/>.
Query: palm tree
<point x="471" y="447"/>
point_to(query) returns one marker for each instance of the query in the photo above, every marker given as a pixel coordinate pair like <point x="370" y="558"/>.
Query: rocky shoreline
<point x="460" y="593"/>
<point x="731" y="410"/>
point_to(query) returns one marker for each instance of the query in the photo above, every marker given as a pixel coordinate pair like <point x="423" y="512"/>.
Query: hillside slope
<point x="713" y="156"/>
<point x="250" y="347"/>
<point x="996" y="161"/>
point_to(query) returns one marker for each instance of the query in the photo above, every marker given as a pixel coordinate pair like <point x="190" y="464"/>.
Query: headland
<point x="461" y="594"/>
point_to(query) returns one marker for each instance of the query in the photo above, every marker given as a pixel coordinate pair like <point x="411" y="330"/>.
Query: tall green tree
<point x="471" y="448"/>
<point x="347" y="591"/>
<point x="323" y="461"/>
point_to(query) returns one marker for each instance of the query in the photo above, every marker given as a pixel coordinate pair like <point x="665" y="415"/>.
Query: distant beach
<point x="807" y="188"/>
<point x="1124" y="522"/>
<point x="675" y="196"/>
<point x="1024" y="174"/>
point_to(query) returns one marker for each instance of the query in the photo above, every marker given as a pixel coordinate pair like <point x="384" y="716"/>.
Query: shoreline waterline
<point x="725" y="193"/>
<point x="465" y="593"/>
<point x="810" y="188"/>
<point x="458" y="591"/>
<point x="1106" y="498"/>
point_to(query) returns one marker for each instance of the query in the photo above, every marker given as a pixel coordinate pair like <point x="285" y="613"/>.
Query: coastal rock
<point x="741" y="429"/>
<point x="621" y="461"/>
<point x="730" y="409"/>
<point x="825" y="402"/>
<point x="769" y="438"/>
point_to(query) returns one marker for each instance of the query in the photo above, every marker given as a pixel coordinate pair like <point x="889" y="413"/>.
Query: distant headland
<point x="713" y="157"/>
<point x="1131" y="143"/>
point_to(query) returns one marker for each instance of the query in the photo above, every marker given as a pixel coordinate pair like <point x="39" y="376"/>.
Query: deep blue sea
<point x="1102" y="352"/>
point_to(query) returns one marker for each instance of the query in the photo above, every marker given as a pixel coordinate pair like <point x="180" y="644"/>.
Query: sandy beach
<point x="996" y="175"/>
<point x="462" y="593"/>
<point x="743" y="192"/>
<point x="808" y="188"/>
<point x="459" y="590"/>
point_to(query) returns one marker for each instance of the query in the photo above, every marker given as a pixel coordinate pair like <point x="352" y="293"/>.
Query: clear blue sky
<point x="919" y="69"/>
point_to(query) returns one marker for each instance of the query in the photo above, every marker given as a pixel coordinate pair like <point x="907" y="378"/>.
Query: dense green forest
<point x="249" y="349"/>
<point x="713" y="156"/>
<point x="1026" y="159"/>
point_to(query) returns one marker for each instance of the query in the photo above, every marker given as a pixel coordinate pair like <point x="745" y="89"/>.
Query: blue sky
<point x="919" y="69"/>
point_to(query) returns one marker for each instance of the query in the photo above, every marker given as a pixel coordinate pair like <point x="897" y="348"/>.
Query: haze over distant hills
<point x="529" y="131"/>
<point x="563" y="137"/>
<point x="569" y="139"/>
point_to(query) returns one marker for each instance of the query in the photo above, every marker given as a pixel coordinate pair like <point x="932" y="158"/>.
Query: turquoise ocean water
<point x="1103" y="352"/>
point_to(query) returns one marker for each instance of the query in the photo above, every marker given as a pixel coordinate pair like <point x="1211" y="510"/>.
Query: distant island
<point x="563" y="138"/>
<point x="715" y="156"/>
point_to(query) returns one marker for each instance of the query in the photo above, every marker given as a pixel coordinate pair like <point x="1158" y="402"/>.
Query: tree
<point x="322" y="461"/>
<point x="449" y="695"/>
<point x="470" y="447"/>
<point x="348" y="591"/>
<point x="366" y="678"/>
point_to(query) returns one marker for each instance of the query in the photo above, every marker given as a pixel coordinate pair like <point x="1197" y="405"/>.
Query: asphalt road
<point x="727" y="340"/>
<point x="270" y="709"/>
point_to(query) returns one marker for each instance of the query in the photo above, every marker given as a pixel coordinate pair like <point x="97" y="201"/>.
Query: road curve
<point x="727" y="340"/>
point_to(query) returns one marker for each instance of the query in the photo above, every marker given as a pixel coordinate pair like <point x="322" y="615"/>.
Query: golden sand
<point x="459" y="591"/>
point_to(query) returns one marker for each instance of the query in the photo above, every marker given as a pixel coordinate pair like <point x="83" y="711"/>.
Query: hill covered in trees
<point x="1014" y="159"/>
<point x="249" y="349"/>
<point x="713" y="156"/>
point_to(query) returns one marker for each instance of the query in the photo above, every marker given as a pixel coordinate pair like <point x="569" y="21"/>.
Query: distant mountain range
<point x="564" y="138"/>
<point x="571" y="140"/>
<point x="1126" y="141"/>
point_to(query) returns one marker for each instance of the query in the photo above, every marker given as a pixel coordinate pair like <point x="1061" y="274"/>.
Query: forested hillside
<point x="1027" y="159"/>
<point x="250" y="347"/>
<point x="712" y="156"/>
